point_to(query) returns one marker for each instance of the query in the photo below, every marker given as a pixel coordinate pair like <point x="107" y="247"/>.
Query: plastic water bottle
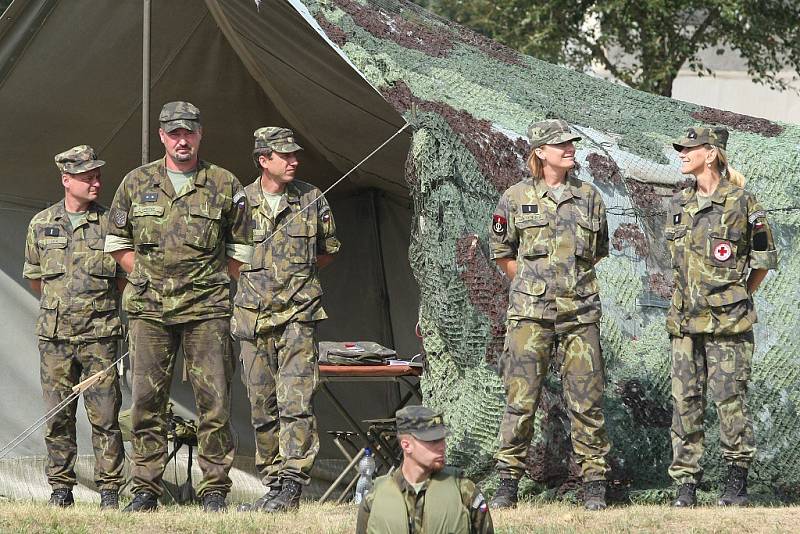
<point x="366" y="469"/>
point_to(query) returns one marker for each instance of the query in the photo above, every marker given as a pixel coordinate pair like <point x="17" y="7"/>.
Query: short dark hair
<point x="258" y="152"/>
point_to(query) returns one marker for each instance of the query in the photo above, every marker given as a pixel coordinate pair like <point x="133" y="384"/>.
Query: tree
<point x="642" y="43"/>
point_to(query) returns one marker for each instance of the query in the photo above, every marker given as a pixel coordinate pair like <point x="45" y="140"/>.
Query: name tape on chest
<point x="499" y="224"/>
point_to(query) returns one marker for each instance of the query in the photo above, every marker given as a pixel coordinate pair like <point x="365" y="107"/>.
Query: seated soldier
<point x="423" y="496"/>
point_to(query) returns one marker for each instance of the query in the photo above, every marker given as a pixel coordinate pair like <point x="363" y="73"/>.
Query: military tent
<point x="346" y="74"/>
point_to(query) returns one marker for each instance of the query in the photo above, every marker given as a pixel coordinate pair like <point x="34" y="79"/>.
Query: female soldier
<point x="721" y="247"/>
<point x="547" y="234"/>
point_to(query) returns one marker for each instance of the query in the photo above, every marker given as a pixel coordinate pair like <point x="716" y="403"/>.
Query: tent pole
<point x="146" y="82"/>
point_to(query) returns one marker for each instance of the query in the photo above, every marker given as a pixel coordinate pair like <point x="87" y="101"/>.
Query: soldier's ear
<point x="64" y="179"/>
<point x="539" y="153"/>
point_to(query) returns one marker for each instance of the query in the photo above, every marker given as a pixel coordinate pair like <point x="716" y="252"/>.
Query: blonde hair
<point x="535" y="165"/>
<point x="734" y="176"/>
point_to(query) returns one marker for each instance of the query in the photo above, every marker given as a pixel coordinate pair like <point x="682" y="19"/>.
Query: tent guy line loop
<point x="337" y="182"/>
<point x="77" y="389"/>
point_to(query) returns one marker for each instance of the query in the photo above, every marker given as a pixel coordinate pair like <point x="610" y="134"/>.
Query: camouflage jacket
<point x="415" y="506"/>
<point x="281" y="284"/>
<point x="180" y="267"/>
<point x="712" y="251"/>
<point x="79" y="292"/>
<point x="556" y="245"/>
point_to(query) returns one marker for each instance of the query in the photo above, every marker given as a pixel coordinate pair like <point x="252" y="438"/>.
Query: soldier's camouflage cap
<point x="78" y="159"/>
<point x="421" y="422"/>
<point x="276" y="138"/>
<point x="550" y="132"/>
<point x="702" y="135"/>
<point x="176" y="115"/>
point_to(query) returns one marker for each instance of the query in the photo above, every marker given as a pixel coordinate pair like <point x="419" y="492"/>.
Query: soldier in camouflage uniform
<point x="547" y="234"/>
<point x="722" y="247"/>
<point x="180" y="227"/>
<point x="423" y="496"/>
<point x="78" y="325"/>
<point x="276" y="309"/>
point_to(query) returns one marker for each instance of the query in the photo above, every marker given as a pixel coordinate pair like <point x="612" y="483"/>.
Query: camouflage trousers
<point x="209" y="359"/>
<point x="64" y="364"/>
<point x="721" y="364"/>
<point x="524" y="365"/>
<point x="280" y="372"/>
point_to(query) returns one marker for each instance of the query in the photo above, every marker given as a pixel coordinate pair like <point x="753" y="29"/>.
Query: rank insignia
<point x="119" y="217"/>
<point x="51" y="231"/>
<point x="326" y="216"/>
<point x="150" y="197"/>
<point x="499" y="224"/>
<point x="530" y="208"/>
<point x="676" y="219"/>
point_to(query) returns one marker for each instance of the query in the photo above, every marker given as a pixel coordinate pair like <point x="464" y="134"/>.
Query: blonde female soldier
<point x="721" y="247"/>
<point x="547" y="234"/>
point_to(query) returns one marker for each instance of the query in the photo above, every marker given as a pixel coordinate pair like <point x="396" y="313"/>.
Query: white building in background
<point x="731" y="89"/>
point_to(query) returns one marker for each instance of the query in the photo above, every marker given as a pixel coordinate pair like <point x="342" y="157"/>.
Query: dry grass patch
<point x="328" y="518"/>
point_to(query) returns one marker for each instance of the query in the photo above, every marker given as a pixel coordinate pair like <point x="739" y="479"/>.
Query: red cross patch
<point x="723" y="251"/>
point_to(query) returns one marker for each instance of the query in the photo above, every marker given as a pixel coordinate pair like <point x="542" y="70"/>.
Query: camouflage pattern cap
<point x="421" y="422"/>
<point x="702" y="135"/>
<point x="550" y="132"/>
<point x="176" y="115"/>
<point x="78" y="159"/>
<point x="276" y="138"/>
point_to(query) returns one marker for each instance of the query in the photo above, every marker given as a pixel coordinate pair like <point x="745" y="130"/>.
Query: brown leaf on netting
<point x="500" y="160"/>
<point x="629" y="234"/>
<point x="604" y="169"/>
<point x="643" y="195"/>
<point x="394" y="27"/>
<point x="745" y="123"/>
<point x="489" y="47"/>
<point x="661" y="285"/>
<point x="645" y="411"/>
<point x="683" y="184"/>
<point x="487" y="290"/>
<point x="334" y="32"/>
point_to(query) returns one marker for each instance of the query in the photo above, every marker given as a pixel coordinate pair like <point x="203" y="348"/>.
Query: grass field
<point x="319" y="519"/>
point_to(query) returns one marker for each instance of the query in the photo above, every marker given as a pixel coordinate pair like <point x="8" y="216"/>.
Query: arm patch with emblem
<point x="119" y="218"/>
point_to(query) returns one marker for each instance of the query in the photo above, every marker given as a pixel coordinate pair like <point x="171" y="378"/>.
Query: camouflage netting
<point x="470" y="101"/>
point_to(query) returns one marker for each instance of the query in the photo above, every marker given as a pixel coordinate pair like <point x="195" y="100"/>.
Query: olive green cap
<point x="422" y="423"/>
<point x="703" y="135"/>
<point x="276" y="138"/>
<point x="550" y="132"/>
<point x="176" y="115"/>
<point x="78" y="159"/>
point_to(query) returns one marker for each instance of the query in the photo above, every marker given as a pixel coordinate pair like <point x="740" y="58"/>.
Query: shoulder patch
<point x="479" y="503"/>
<point x="240" y="199"/>
<point x="760" y="214"/>
<point x="119" y="217"/>
<point x="499" y="224"/>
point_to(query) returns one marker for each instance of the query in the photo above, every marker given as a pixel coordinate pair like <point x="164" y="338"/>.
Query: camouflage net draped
<point x="470" y="101"/>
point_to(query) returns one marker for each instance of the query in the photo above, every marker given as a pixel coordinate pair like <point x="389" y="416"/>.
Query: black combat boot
<point x="506" y="495"/>
<point x="260" y="504"/>
<point x="594" y="495"/>
<point x="109" y="499"/>
<point x="62" y="497"/>
<point x="214" y="501"/>
<point x="287" y="499"/>
<point x="735" y="493"/>
<point x="686" y="497"/>
<point x="144" y="501"/>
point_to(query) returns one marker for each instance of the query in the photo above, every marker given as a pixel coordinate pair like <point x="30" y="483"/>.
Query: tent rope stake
<point x="92" y="380"/>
